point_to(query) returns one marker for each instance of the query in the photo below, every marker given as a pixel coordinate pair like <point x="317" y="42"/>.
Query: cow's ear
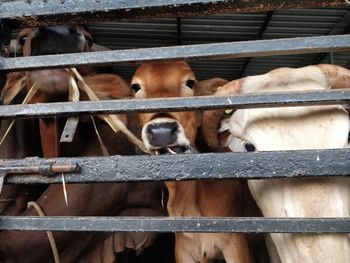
<point x="13" y="85"/>
<point x="336" y="76"/>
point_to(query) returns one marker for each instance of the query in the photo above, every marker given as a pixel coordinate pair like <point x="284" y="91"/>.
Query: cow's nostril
<point x="149" y="130"/>
<point x="73" y="31"/>
<point x="174" y="130"/>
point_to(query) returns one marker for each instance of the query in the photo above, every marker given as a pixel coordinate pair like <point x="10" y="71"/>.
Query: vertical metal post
<point x="5" y="39"/>
<point x="178" y="31"/>
<point x="331" y="58"/>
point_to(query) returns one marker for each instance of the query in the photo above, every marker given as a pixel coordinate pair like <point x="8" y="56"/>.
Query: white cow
<point x="292" y="128"/>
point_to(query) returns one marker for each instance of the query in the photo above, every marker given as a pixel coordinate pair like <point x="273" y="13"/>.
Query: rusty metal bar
<point x="283" y="164"/>
<point x="177" y="224"/>
<point x="44" y="168"/>
<point x="261" y="100"/>
<point x="342" y="27"/>
<point x="39" y="12"/>
<point x="240" y="49"/>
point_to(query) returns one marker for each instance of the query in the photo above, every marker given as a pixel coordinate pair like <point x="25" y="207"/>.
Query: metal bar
<point x="202" y="51"/>
<point x="331" y="58"/>
<point x="38" y="12"/>
<point x="177" y="224"/>
<point x="242" y="101"/>
<point x="178" y="31"/>
<point x="260" y="36"/>
<point x="342" y="27"/>
<point x="285" y="164"/>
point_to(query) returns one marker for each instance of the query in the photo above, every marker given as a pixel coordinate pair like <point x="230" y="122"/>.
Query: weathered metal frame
<point x="39" y="12"/>
<point x="259" y="165"/>
<point x="290" y="164"/>
<point x="178" y="224"/>
<point x="242" y="101"/>
<point x="240" y="49"/>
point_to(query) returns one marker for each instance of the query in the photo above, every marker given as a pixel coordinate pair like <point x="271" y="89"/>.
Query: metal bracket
<point x="2" y="178"/>
<point x="69" y="129"/>
<point x="46" y="169"/>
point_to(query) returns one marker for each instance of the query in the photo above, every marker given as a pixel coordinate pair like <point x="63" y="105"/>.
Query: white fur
<point x="296" y="128"/>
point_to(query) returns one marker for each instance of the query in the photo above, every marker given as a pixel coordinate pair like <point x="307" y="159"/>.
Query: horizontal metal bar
<point x="166" y="224"/>
<point x="243" y="101"/>
<point x="241" y="49"/>
<point x="285" y="164"/>
<point x="39" y="12"/>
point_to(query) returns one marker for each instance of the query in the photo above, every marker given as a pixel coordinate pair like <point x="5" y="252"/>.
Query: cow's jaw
<point x="51" y="82"/>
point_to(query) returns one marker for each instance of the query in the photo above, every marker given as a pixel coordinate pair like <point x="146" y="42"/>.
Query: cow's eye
<point x="22" y="40"/>
<point x="249" y="147"/>
<point x="190" y="83"/>
<point x="136" y="87"/>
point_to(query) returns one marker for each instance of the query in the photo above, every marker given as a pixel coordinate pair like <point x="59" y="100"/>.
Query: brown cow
<point x="23" y="140"/>
<point x="53" y="83"/>
<point x="93" y="199"/>
<point x="90" y="199"/>
<point x="175" y="132"/>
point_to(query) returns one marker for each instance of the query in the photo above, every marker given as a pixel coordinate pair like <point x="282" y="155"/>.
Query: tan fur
<point x="209" y="86"/>
<point x="193" y="198"/>
<point x="296" y="128"/>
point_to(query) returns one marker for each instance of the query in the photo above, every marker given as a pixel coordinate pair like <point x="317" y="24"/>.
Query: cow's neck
<point x="190" y="198"/>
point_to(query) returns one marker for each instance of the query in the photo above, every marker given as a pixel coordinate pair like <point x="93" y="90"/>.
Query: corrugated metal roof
<point x="224" y="28"/>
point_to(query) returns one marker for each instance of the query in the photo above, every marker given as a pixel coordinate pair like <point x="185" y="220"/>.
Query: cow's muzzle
<point x="165" y="136"/>
<point x="162" y="134"/>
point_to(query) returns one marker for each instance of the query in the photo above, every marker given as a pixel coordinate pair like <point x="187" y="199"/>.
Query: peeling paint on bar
<point x="177" y="224"/>
<point x="283" y="164"/>
<point x="39" y="12"/>
<point x="242" y="49"/>
<point x="260" y="100"/>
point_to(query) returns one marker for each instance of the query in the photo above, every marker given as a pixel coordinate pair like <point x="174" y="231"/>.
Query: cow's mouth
<point x="174" y="150"/>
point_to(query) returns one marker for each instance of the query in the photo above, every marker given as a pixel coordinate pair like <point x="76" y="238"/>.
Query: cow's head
<point x="285" y="128"/>
<point x="50" y="41"/>
<point x="170" y="132"/>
